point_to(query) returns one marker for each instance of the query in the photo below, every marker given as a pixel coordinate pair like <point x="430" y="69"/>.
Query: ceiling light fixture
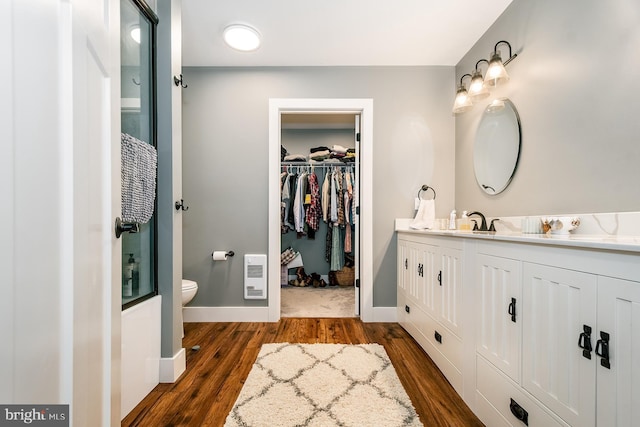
<point x="463" y="102"/>
<point x="135" y="33"/>
<point x="242" y="37"/>
<point x="479" y="87"/>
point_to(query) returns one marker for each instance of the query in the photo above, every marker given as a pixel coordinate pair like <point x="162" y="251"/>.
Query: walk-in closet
<point x="319" y="210"/>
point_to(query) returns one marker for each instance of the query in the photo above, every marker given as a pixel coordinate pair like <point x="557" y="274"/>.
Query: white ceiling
<point x="337" y="32"/>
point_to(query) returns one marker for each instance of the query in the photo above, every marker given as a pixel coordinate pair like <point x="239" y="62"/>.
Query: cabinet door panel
<point x="450" y="284"/>
<point x="557" y="303"/>
<point x="619" y="386"/>
<point x="431" y="297"/>
<point x="498" y="336"/>
<point x="403" y="265"/>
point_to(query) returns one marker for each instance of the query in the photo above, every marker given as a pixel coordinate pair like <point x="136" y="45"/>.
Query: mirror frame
<point x="485" y="188"/>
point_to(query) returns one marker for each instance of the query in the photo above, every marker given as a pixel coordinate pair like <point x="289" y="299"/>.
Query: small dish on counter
<point x="560" y="226"/>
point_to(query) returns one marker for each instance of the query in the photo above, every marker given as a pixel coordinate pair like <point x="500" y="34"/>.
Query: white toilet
<point x="189" y="289"/>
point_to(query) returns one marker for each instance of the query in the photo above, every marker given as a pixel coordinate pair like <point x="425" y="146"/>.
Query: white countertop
<point x="587" y="241"/>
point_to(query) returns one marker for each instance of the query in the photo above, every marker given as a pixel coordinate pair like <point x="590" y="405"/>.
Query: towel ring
<point x="425" y="188"/>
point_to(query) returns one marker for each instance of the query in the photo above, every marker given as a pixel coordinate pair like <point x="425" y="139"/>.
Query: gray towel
<point x="139" y="164"/>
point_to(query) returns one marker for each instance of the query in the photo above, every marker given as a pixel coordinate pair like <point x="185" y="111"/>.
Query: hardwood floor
<point x="206" y="392"/>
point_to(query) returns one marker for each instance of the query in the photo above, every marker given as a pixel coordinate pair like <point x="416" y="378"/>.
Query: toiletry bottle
<point x="127" y="280"/>
<point x="452" y="220"/>
<point x="465" y="224"/>
<point x="135" y="275"/>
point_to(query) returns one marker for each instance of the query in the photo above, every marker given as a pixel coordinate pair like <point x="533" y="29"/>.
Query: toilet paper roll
<point x="220" y="255"/>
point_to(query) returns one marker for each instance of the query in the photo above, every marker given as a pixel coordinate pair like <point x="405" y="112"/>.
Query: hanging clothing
<point x="348" y="195"/>
<point x="325" y="196"/>
<point x="313" y="211"/>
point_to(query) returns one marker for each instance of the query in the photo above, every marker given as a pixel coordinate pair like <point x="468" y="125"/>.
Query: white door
<point x="59" y="181"/>
<point x="558" y="304"/>
<point x="618" y="376"/>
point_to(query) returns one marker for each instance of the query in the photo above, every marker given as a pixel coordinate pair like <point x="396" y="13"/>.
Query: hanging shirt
<point x="313" y="211"/>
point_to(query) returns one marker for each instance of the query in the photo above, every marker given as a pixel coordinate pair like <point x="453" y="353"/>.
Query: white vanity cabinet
<point x="543" y="316"/>
<point x="529" y="331"/>
<point x="430" y="298"/>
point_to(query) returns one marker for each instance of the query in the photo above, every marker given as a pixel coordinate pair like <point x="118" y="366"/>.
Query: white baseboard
<point x="172" y="367"/>
<point x="385" y="314"/>
<point x="261" y="314"/>
<point x="226" y="314"/>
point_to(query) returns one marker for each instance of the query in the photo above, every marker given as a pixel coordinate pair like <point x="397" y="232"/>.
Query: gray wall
<point x="225" y="166"/>
<point x="576" y="85"/>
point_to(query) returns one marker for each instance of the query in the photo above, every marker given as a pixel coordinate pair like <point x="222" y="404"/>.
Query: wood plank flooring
<point x="206" y="392"/>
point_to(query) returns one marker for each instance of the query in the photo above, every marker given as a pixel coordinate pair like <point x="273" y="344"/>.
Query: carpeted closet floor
<point x="331" y="301"/>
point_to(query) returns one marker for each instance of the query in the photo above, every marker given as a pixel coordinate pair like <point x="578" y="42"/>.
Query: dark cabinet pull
<point x="420" y="270"/>
<point x="440" y="277"/>
<point x="519" y="412"/>
<point x="407" y="309"/>
<point x="512" y="310"/>
<point x="406" y="264"/>
<point x="584" y="342"/>
<point x="437" y="336"/>
<point x="602" y="350"/>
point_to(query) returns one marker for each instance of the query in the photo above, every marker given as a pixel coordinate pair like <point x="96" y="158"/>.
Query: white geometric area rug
<point x="322" y="385"/>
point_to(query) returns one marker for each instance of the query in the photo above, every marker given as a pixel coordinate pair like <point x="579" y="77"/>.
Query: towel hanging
<point x="139" y="162"/>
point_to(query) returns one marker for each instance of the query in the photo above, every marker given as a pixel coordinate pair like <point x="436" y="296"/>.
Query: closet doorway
<point x="299" y="125"/>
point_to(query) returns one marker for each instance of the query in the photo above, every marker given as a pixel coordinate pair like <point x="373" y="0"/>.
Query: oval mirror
<point x="497" y="146"/>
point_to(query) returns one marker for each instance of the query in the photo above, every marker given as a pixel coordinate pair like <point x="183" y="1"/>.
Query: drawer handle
<point x="407" y="309"/>
<point x="512" y="310"/>
<point x="440" y="277"/>
<point x="406" y="264"/>
<point x="438" y="337"/>
<point x="602" y="349"/>
<point x="584" y="342"/>
<point x="519" y="412"/>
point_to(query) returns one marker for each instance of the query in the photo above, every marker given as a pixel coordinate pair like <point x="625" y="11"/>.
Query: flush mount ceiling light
<point x="241" y="37"/>
<point x="135" y="33"/>
<point x="479" y="87"/>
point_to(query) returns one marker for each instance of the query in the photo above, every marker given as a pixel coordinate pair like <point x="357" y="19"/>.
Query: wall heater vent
<point x="255" y="276"/>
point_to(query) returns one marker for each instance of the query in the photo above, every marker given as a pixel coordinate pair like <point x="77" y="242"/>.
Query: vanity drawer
<point x="494" y="397"/>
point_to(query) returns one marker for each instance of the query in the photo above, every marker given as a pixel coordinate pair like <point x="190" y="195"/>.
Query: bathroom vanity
<point x="529" y="329"/>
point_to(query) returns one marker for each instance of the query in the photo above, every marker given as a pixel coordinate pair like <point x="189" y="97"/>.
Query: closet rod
<point x="318" y="165"/>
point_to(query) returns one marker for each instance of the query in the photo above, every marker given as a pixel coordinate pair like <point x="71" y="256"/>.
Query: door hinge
<point x="357" y="283"/>
<point x="357" y="210"/>
<point x="358" y="136"/>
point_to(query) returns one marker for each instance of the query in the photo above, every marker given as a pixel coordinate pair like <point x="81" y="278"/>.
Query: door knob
<point x="125" y="227"/>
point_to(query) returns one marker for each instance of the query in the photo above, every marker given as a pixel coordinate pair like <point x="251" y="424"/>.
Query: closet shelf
<point x="318" y="164"/>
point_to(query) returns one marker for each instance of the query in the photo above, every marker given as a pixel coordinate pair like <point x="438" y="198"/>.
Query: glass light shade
<point x="477" y="89"/>
<point x="241" y="37"/>
<point x="463" y="102"/>
<point x="496" y="73"/>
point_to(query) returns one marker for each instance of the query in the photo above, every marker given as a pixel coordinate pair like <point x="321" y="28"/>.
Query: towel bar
<point x="425" y="188"/>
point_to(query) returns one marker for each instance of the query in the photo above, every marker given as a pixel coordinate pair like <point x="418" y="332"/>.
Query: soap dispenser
<point x="133" y="274"/>
<point x="465" y="224"/>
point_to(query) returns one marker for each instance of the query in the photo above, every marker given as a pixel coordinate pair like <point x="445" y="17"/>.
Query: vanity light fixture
<point x="241" y="37"/>
<point x="477" y="88"/>
<point x="496" y="73"/>
<point x="463" y="102"/>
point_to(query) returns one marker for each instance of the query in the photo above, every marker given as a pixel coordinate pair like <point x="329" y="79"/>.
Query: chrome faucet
<point x="483" y="223"/>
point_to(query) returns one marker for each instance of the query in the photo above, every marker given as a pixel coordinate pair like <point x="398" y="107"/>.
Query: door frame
<point x="363" y="107"/>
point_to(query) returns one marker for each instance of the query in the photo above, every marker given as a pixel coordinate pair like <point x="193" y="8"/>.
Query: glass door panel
<point x="138" y="114"/>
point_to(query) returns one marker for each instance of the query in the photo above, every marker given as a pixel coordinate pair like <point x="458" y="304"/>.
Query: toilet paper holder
<point x="229" y="253"/>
